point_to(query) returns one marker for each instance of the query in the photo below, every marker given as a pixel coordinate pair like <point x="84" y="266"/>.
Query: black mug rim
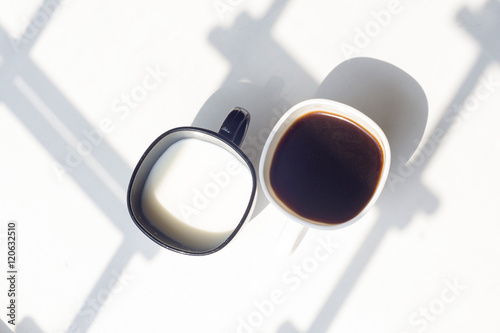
<point x="245" y="216"/>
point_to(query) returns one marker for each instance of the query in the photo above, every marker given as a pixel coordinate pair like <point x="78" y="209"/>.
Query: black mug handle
<point x="235" y="125"/>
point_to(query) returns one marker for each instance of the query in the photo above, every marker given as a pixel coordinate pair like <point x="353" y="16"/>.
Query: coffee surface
<point x="326" y="168"/>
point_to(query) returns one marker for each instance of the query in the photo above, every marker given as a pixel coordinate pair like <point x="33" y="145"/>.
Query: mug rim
<point x="344" y="111"/>
<point x="248" y="211"/>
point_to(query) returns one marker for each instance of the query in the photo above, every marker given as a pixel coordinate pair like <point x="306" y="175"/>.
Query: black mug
<point x="166" y="226"/>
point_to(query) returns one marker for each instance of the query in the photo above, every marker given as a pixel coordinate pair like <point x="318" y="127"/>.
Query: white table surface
<point x="108" y="77"/>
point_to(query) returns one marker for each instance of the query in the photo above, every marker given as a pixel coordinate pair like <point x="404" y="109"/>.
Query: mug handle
<point x="234" y="129"/>
<point x="235" y="125"/>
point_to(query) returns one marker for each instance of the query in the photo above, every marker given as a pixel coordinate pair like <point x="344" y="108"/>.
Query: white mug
<point x="335" y="109"/>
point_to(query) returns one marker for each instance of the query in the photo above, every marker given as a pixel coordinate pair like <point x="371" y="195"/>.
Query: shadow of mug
<point x="386" y="94"/>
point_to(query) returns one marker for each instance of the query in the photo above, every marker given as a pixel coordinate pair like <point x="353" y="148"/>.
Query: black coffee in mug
<point x="326" y="168"/>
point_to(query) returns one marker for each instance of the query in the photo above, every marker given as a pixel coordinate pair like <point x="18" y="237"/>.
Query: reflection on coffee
<point x="197" y="193"/>
<point x="326" y="168"/>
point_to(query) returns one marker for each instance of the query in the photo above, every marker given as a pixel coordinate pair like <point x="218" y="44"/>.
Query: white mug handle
<point x="290" y="237"/>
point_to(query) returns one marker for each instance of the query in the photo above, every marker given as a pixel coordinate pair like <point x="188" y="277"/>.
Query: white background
<point x="431" y="72"/>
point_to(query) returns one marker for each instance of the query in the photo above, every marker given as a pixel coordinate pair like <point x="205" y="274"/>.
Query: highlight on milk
<point x="197" y="192"/>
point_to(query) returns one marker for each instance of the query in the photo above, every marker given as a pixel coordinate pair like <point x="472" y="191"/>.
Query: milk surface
<point x="197" y="192"/>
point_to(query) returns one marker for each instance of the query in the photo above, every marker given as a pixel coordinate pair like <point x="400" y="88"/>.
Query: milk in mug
<point x="197" y="193"/>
